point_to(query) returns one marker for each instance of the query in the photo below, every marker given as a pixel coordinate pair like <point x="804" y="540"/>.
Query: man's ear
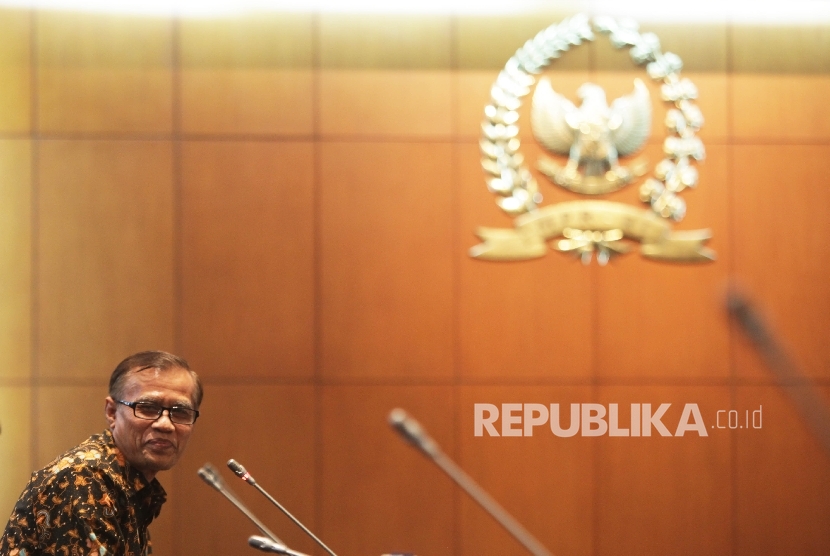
<point x="109" y="411"/>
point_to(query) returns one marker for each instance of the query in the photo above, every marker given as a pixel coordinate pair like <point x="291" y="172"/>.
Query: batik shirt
<point x="89" y="501"/>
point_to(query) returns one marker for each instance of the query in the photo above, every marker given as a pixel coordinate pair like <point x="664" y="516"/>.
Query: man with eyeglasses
<point x="100" y="497"/>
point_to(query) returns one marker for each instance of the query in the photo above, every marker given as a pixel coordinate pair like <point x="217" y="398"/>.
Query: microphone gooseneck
<point x="211" y="476"/>
<point x="243" y="474"/>
<point x="802" y="391"/>
<point x="414" y="433"/>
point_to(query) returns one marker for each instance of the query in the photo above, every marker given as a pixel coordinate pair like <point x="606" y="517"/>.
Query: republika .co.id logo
<point x="593" y="419"/>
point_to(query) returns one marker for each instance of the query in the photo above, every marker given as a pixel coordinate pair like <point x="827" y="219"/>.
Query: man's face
<point x="151" y="446"/>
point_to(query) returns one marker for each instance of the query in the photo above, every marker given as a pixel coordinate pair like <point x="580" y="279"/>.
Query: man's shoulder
<point x="94" y="455"/>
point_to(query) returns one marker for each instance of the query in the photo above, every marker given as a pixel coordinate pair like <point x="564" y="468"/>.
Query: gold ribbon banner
<point x="527" y="240"/>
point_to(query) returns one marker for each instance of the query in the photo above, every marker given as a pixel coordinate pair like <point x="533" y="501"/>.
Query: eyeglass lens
<point x="180" y="415"/>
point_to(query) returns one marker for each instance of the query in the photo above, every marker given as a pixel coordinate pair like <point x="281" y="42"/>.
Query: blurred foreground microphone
<point x="413" y="433"/>
<point x="267" y="545"/>
<point x="243" y="474"/>
<point x="209" y="474"/>
<point x="804" y="394"/>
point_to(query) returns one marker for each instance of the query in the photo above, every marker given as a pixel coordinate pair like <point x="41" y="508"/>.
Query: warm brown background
<point x="287" y="200"/>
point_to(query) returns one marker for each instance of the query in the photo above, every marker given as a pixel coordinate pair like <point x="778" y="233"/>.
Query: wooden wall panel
<point x="247" y="101"/>
<point x="15" y="443"/>
<point x="104" y="73"/>
<point x="785" y="48"/>
<point x="674" y="312"/>
<point x="780" y="108"/>
<point x="269" y="429"/>
<point x="485" y="42"/>
<point x="702" y="46"/>
<point x="385" y="75"/>
<point x="247" y="258"/>
<point x="546" y="482"/>
<point x="371" y="103"/>
<point x="247" y="74"/>
<point x="386" y="260"/>
<point x="782" y="479"/>
<point x="15" y="66"/>
<point x="66" y="415"/>
<point x="15" y="260"/>
<point x="660" y="494"/>
<point x="782" y="254"/>
<point x="105" y="254"/>
<point x="381" y="496"/>
<point x="712" y="100"/>
<point x="511" y="314"/>
<point x="472" y="94"/>
<point x="288" y="200"/>
<point x="378" y="41"/>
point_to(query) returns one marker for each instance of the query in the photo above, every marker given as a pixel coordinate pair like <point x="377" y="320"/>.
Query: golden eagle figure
<point x="594" y="135"/>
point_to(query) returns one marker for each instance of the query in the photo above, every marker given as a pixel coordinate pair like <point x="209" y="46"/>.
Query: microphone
<point x="267" y="545"/>
<point x="243" y="474"/>
<point x="804" y="394"/>
<point x="240" y="471"/>
<point x="211" y="476"/>
<point x="414" y="433"/>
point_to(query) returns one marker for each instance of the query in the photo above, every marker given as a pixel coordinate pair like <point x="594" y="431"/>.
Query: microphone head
<point x="209" y="474"/>
<point x="413" y="432"/>
<point x="749" y="319"/>
<point x="265" y="545"/>
<point x="240" y="471"/>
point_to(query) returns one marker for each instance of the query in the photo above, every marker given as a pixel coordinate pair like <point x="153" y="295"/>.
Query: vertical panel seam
<point x="731" y="242"/>
<point x="317" y="333"/>
<point x="176" y="183"/>
<point x="34" y="250"/>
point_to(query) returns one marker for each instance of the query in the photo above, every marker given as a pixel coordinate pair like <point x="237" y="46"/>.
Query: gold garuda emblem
<point x="598" y="139"/>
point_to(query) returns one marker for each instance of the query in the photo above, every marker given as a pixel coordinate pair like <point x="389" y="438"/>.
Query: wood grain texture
<point x="784" y="48"/>
<point x="486" y="43"/>
<point x="386" y="260"/>
<point x="15" y="67"/>
<point x="103" y="73"/>
<point x="661" y="494"/>
<point x="512" y="314"/>
<point x="247" y="74"/>
<point x="248" y="40"/>
<point x="278" y="450"/>
<point x="780" y="108"/>
<point x="247" y="101"/>
<point x="247" y="258"/>
<point x="782" y="255"/>
<point x="288" y="200"/>
<point x="105" y="250"/>
<point x="67" y="415"/>
<point x="15" y="259"/>
<point x="372" y="103"/>
<point x="544" y="481"/>
<point x="381" y="495"/>
<point x="782" y="479"/>
<point x="669" y="320"/>
<point x="15" y="442"/>
<point x="383" y="41"/>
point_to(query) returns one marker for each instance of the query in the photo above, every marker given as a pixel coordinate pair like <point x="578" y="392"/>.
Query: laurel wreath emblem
<point x="515" y="185"/>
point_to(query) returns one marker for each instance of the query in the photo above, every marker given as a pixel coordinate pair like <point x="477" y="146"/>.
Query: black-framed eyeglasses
<point x="150" y="411"/>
